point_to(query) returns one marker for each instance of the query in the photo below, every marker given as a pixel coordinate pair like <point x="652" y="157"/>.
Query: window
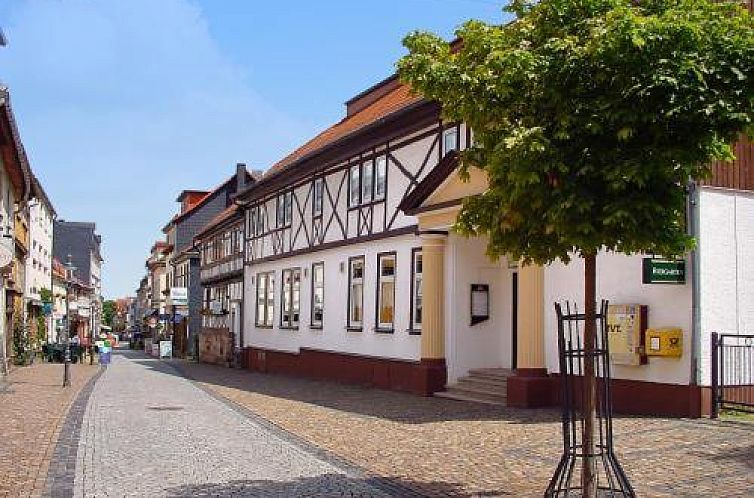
<point x="265" y="299"/>
<point x="318" y="294"/>
<point x="449" y="140"/>
<point x="290" y="302"/>
<point x="284" y="209"/>
<point x="319" y="190"/>
<point x="386" y="291"/>
<point x="356" y="292"/>
<point x="416" y="290"/>
<point x="367" y="181"/>
<point x="380" y="173"/>
<point x="354" y="199"/>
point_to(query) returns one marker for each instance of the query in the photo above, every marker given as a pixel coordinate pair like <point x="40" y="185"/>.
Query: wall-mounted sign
<point x="216" y="307"/>
<point x="83" y="303"/>
<point x="480" y="303"/>
<point x="666" y="341"/>
<point x="6" y="256"/>
<point x="663" y="271"/>
<point x="626" y="324"/>
<point x="179" y="296"/>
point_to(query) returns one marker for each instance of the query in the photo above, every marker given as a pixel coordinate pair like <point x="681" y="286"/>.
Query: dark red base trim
<point x="532" y="388"/>
<point x="636" y="397"/>
<point x="417" y="377"/>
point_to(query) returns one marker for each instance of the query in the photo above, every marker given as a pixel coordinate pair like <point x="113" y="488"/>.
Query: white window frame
<point x="353" y="281"/>
<point x="290" y="298"/>
<point x="318" y="196"/>
<point x="417" y="269"/>
<point x="380" y="178"/>
<point x="354" y="189"/>
<point x="318" y="284"/>
<point x="384" y="278"/>
<point x="448" y="134"/>
<point x="265" y="299"/>
<point x="367" y="181"/>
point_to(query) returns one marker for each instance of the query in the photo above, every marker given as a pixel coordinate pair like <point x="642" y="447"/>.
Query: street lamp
<point x="69" y="269"/>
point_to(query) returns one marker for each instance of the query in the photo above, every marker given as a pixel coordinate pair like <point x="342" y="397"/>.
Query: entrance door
<point x="235" y="323"/>
<point x="514" y="321"/>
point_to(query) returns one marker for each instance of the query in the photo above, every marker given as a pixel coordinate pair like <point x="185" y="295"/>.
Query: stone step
<point x="459" y="396"/>
<point x="494" y="384"/>
<point x="476" y="390"/>
<point x="491" y="373"/>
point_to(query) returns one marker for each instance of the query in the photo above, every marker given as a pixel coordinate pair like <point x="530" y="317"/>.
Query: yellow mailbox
<point x="666" y="341"/>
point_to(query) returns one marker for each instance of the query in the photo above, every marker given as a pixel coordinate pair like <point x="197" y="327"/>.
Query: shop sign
<point x="179" y="296"/>
<point x="216" y="307"/>
<point x="626" y="324"/>
<point x="663" y="271"/>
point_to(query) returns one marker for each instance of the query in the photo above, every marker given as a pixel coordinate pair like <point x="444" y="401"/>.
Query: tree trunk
<point x="588" y="471"/>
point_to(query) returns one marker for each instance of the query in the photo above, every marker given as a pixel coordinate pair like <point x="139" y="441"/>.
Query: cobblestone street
<point x="444" y="447"/>
<point x="32" y="410"/>
<point x="162" y="436"/>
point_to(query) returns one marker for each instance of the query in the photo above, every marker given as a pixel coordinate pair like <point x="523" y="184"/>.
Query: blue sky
<point x="123" y="104"/>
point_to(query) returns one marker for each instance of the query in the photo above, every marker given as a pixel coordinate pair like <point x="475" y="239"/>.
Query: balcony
<point x="220" y="269"/>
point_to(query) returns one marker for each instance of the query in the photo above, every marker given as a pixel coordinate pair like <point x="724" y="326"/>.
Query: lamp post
<point x="69" y="269"/>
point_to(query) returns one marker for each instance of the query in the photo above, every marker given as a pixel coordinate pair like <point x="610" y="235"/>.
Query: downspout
<point x="696" y="333"/>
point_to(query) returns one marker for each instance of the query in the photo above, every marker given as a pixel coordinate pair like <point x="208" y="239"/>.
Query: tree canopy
<point x="590" y="117"/>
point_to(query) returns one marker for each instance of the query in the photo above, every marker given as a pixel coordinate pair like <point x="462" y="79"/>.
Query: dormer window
<point x="449" y="140"/>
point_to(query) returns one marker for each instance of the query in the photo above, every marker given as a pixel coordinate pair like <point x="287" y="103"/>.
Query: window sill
<point x="288" y="327"/>
<point x="414" y="331"/>
<point x="264" y="326"/>
<point x="379" y="330"/>
<point x="315" y="327"/>
<point x="354" y="329"/>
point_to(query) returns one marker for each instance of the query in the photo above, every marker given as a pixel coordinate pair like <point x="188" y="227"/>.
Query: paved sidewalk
<point x="32" y="410"/>
<point x="450" y="448"/>
<point x="149" y="432"/>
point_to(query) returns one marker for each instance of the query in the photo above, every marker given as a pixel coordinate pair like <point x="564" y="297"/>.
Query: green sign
<point x="663" y="271"/>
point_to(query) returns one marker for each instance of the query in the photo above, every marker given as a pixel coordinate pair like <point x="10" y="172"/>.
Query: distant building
<point x="198" y="208"/>
<point x="80" y="240"/>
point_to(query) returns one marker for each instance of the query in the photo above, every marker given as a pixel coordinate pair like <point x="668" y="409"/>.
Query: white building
<point x="353" y="273"/>
<point x="39" y="260"/>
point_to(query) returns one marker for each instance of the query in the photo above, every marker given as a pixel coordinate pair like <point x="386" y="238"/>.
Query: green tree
<point x="590" y="117"/>
<point x="108" y="312"/>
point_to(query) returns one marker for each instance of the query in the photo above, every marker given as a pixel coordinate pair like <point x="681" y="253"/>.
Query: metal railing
<point x="732" y="373"/>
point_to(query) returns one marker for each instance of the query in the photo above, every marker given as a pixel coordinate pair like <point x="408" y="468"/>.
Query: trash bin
<point x="104" y="357"/>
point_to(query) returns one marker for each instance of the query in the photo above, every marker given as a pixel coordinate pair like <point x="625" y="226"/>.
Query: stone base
<point x="531" y="388"/>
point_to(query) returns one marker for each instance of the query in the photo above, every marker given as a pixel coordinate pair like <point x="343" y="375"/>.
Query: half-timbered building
<point x="353" y="273"/>
<point x="221" y="248"/>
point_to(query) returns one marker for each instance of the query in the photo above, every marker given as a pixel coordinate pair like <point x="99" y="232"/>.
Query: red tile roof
<point x="392" y="101"/>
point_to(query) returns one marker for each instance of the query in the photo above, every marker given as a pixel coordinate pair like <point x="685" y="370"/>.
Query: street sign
<point x="663" y="271"/>
<point x="179" y="296"/>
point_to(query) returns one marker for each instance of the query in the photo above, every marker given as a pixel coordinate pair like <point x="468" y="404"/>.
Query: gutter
<point x="696" y="332"/>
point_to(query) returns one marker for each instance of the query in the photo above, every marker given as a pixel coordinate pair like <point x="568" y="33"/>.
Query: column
<point x="433" y="367"/>
<point x="531" y="387"/>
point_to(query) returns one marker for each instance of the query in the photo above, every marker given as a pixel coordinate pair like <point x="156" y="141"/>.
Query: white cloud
<point x="124" y="103"/>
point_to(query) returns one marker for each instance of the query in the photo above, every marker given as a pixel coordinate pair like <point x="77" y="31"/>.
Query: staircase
<point x="482" y="385"/>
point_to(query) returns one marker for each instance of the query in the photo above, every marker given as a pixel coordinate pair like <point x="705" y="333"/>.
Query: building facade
<point x="221" y="248"/>
<point x="353" y="272"/>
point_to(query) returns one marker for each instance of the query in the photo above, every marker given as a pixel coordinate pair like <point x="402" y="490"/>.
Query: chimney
<point x="240" y="177"/>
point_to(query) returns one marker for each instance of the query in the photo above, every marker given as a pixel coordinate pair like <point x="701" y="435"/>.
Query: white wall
<point x="333" y="336"/>
<point x="39" y="261"/>
<point x="619" y="280"/>
<point x="726" y="260"/>
<point x="486" y="344"/>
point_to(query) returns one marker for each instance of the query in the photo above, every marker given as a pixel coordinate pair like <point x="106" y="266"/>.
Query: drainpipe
<point x="696" y="333"/>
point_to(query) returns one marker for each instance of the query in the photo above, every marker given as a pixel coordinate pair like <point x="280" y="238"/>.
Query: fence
<point x="732" y="373"/>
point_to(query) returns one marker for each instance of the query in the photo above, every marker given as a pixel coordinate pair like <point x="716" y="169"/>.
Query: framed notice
<point x="480" y="303"/>
<point x="626" y="324"/>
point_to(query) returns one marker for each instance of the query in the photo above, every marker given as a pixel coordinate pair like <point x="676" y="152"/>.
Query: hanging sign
<point x="179" y="296"/>
<point x="663" y="271"/>
<point x="480" y="303"/>
<point x="626" y="324"/>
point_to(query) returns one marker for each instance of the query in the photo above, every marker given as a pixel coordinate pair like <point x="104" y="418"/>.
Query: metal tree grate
<point x="610" y="478"/>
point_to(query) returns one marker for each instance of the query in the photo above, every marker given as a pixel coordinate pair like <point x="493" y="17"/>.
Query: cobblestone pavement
<point x="33" y="406"/>
<point x="149" y="432"/>
<point x="449" y="448"/>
